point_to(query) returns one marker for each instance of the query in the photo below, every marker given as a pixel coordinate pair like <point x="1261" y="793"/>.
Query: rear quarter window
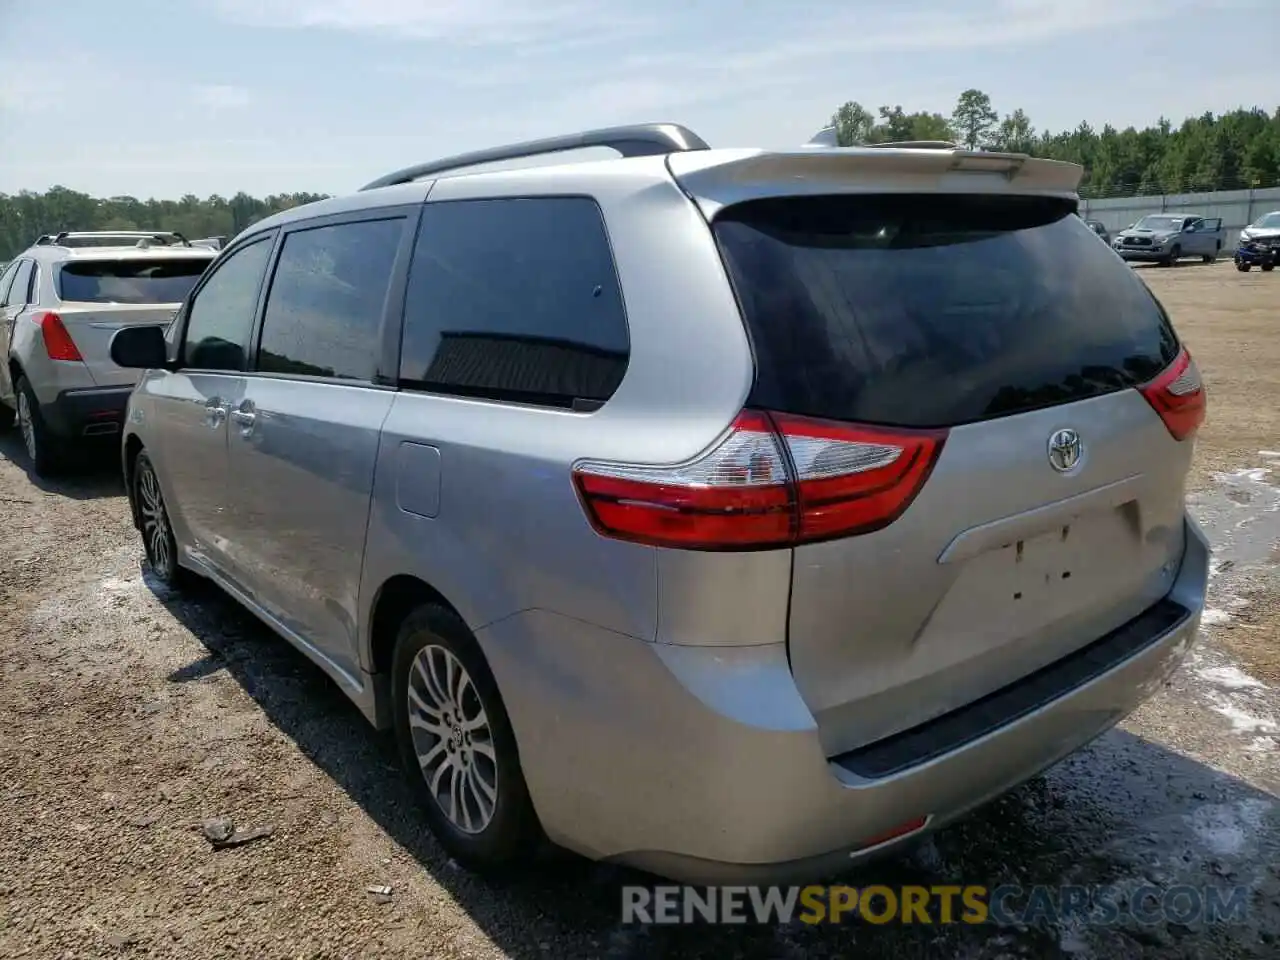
<point x="929" y="311"/>
<point x="515" y="300"/>
<point x="135" y="281"/>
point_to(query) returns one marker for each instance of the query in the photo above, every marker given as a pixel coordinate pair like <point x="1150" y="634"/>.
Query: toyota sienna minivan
<point x="730" y="514"/>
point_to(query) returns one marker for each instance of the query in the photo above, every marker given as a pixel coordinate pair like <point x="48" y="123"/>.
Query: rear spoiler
<point x="719" y="178"/>
<point x="830" y="137"/>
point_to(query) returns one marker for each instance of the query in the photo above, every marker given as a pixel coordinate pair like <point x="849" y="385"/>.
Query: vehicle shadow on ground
<point x="1079" y="824"/>
<point x="92" y="473"/>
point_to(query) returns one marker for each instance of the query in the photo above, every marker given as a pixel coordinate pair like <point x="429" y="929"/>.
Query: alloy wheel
<point x="452" y="739"/>
<point x="155" y="522"/>
<point x="26" y="426"/>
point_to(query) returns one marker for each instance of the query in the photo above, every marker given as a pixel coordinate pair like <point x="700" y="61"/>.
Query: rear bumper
<point x="703" y="764"/>
<point x="98" y="411"/>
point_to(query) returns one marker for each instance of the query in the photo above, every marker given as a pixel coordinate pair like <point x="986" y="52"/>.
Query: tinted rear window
<point x="129" y="281"/>
<point x="935" y="311"/>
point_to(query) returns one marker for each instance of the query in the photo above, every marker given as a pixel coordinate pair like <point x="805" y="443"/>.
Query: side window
<point x="17" y="295"/>
<point x="324" y="310"/>
<point x="33" y="288"/>
<point x="515" y="299"/>
<point x="6" y="281"/>
<point x="220" y="319"/>
<point x="1212" y="225"/>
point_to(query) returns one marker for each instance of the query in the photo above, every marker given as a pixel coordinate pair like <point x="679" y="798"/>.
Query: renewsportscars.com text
<point x="1006" y="905"/>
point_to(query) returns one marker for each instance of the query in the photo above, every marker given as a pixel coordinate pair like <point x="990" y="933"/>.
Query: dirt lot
<point x="128" y="716"/>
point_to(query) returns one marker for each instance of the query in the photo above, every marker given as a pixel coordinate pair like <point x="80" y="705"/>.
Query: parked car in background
<point x="61" y="301"/>
<point x="1097" y="227"/>
<point x="622" y="579"/>
<point x="1259" y="244"/>
<point x="1166" y="238"/>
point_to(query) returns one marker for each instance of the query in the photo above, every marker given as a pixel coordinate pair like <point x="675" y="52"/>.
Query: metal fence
<point x="1237" y="208"/>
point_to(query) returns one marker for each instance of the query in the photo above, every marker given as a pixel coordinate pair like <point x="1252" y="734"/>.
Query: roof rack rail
<point x="74" y="238"/>
<point x="638" y="140"/>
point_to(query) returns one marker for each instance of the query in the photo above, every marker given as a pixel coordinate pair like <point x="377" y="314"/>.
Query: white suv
<point x="60" y="302"/>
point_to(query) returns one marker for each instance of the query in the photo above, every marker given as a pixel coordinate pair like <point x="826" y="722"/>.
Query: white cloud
<point x="635" y="76"/>
<point x="555" y="23"/>
<point x="221" y="96"/>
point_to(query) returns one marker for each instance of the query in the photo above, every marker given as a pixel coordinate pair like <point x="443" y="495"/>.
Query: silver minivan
<point x="731" y="514"/>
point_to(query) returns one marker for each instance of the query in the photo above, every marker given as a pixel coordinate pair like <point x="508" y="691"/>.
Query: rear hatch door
<point x="102" y="294"/>
<point x="1054" y="512"/>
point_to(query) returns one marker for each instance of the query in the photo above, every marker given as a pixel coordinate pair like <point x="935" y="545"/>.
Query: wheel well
<point x="396" y="600"/>
<point x="132" y="447"/>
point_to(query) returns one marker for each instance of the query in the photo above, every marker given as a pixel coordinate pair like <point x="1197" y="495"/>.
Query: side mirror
<point x="140" y="348"/>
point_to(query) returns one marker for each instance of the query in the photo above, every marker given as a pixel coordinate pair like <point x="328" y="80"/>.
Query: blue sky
<point x="166" y="97"/>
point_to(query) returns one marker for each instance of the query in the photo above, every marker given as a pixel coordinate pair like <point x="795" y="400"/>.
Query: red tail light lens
<point x="772" y="480"/>
<point x="57" y="342"/>
<point x="854" y="479"/>
<point x="1177" y="394"/>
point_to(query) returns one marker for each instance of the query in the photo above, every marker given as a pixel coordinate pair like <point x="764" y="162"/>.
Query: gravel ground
<point x="130" y="716"/>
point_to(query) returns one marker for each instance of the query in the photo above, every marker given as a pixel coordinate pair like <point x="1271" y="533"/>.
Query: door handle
<point x="245" y="417"/>
<point x="214" y="413"/>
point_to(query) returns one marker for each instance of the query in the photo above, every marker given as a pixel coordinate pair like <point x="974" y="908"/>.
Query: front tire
<point x="44" y="450"/>
<point x="1268" y="267"/>
<point x="457" y="745"/>
<point x="8" y="416"/>
<point x="1243" y="267"/>
<point x="1174" y="256"/>
<point x="153" y="523"/>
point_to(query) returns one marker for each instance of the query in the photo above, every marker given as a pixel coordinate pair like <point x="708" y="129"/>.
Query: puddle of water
<point x="1241" y="720"/>
<point x="1233" y="678"/>
<point x="1239" y="540"/>
<point x="1227" y="829"/>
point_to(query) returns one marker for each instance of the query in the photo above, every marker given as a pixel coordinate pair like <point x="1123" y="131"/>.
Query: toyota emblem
<point x="1065" y="450"/>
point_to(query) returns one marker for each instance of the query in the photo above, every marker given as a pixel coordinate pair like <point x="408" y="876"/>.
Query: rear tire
<point x="457" y="745"/>
<point x="44" y="450"/>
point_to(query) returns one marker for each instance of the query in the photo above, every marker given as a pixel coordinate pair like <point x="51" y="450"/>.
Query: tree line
<point x="25" y="216"/>
<point x="1236" y="150"/>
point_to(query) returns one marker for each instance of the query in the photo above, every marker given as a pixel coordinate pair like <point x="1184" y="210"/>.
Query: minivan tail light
<point x="57" y="342"/>
<point x="772" y="480"/>
<point x="1177" y="395"/>
<point x="855" y="479"/>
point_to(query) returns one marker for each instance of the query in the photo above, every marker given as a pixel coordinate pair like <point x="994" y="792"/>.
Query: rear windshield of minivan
<point x="129" y="281"/>
<point x="930" y="311"/>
